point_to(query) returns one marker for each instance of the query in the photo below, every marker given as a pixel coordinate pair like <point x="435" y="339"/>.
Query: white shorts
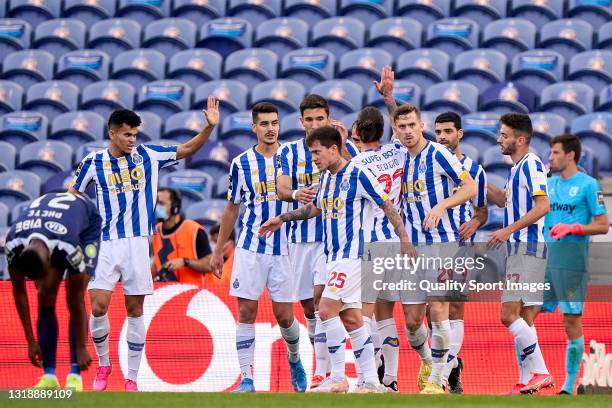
<point x="526" y="270"/>
<point x="374" y="273"/>
<point x="344" y="281"/>
<point x="253" y="273"/>
<point x="308" y="264"/>
<point x="126" y="260"/>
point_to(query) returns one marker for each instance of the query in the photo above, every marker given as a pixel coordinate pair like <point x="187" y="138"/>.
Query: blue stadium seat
<point x="291" y="127"/>
<point x="28" y="67"/>
<point x="8" y="155"/>
<point x="403" y="92"/>
<point x="255" y="12"/>
<point x="286" y="94"/>
<point x="78" y="127"/>
<point x="595" y="132"/>
<point x="11" y="97"/>
<point x="499" y="182"/>
<point x="139" y="67"/>
<point x="453" y="35"/>
<point x="114" y="36"/>
<point x="605" y="99"/>
<point x="344" y="96"/>
<point x="34" y="12"/>
<point x="310" y="11"/>
<point x="209" y="212"/>
<point x="15" y="35"/>
<point x="470" y="151"/>
<point x="568" y="37"/>
<point x="457" y="96"/>
<point x="199" y="12"/>
<point x="19" y="209"/>
<point x="52" y="98"/>
<point x="237" y="128"/>
<point x="482" y="12"/>
<point x="83" y="67"/>
<point x="252" y="66"/>
<point x="424" y="11"/>
<point x="89" y="12"/>
<point x="170" y="35"/>
<point x="106" y="96"/>
<point x="89" y="147"/>
<point x="45" y="158"/>
<point x="144" y="11"/>
<point x="183" y="126"/>
<point x="494" y="162"/>
<point x="60" y="36"/>
<point x="17" y="186"/>
<point x="495" y="219"/>
<point x="4" y="215"/>
<point x="568" y="99"/>
<point x="232" y="96"/>
<point x="480" y="129"/>
<point x="428" y="120"/>
<point x="214" y="159"/>
<point x="195" y="66"/>
<point x="193" y="184"/>
<point x="367" y="11"/>
<point x="425" y="67"/>
<point x="363" y="65"/>
<point x="505" y="97"/>
<point x="509" y="36"/>
<point x="482" y="68"/>
<point x="226" y="35"/>
<point x="338" y="35"/>
<point x="60" y="182"/>
<point x="545" y="126"/>
<point x="604" y="36"/>
<point x="150" y="126"/>
<point x="536" y="69"/>
<point x="537" y="11"/>
<point x="396" y="35"/>
<point x="596" y="12"/>
<point x="164" y="98"/>
<point x="593" y="68"/>
<point x="3" y="8"/>
<point x="23" y="127"/>
<point x="308" y="66"/>
<point x="282" y="35"/>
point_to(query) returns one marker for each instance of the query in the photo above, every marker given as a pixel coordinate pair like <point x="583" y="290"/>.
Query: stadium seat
<point x="593" y="68"/>
<point x="214" y="159"/>
<point x="453" y="35"/>
<point x="403" y="92"/>
<point x="282" y="35"/>
<point x="568" y="99"/>
<point x="89" y="12"/>
<point x="11" y="97"/>
<point x="482" y="68"/>
<point x="595" y="132"/>
<point x="509" y="36"/>
<point x="183" y="126"/>
<point x="308" y="66"/>
<point x="537" y="11"/>
<point x="34" y="12"/>
<point x="18" y="186"/>
<point x="208" y="213"/>
<point x="19" y="209"/>
<point x="78" y="127"/>
<point x="396" y="35"/>
<point x="114" y="36"/>
<point x="3" y="8"/>
<point x="28" y="67"/>
<point x="286" y="94"/>
<point x="428" y="119"/>
<point x="60" y="36"/>
<point x="589" y="162"/>
<point x="195" y="66"/>
<point x="291" y="127"/>
<point x="15" y="35"/>
<point x="8" y="155"/>
<point x="255" y="12"/>
<point x="363" y="66"/>
<point x="144" y="12"/>
<point x="150" y="127"/>
<point x="60" y="182"/>
<point x="494" y="162"/>
<point x="344" y="96"/>
<point x="457" y="96"/>
<point x="426" y="12"/>
<point x="505" y="97"/>
<point x="226" y="35"/>
<point x="106" y="96"/>
<point x="193" y="184"/>
<point x="597" y="12"/>
<point x="89" y="147"/>
<point x="237" y="128"/>
<point x="568" y="37"/>
<point x="545" y="126"/>
<point x="164" y="98"/>
<point x="495" y="219"/>
<point x="425" y="67"/>
<point x="605" y="99"/>
<point x="170" y="35"/>
<point x="23" y="127"/>
<point x="232" y="96"/>
<point x="83" y="67"/>
<point x="367" y="11"/>
<point x="4" y="215"/>
<point x="311" y="12"/>
<point x="536" y="69"/>
<point x="604" y="36"/>
<point x="139" y="67"/>
<point x="482" y="12"/>
<point x="252" y="66"/>
<point x="200" y="12"/>
<point x="480" y="129"/>
<point x="470" y="151"/>
<point x="338" y="35"/>
<point x="45" y="158"/>
<point x="52" y="98"/>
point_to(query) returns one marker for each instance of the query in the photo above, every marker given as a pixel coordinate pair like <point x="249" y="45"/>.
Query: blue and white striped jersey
<point x="430" y="177"/>
<point x="126" y="188"/>
<point x="351" y="148"/>
<point x="253" y="183"/>
<point x="465" y="212"/>
<point x="387" y="166"/>
<point x="346" y="199"/>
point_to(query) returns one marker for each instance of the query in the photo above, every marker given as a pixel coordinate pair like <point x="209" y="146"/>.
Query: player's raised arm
<point x="385" y="88"/>
<point x="194" y="144"/>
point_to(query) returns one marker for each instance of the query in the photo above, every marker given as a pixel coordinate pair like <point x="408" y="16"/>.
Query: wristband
<point x="294" y="194"/>
<point x="186" y="262"/>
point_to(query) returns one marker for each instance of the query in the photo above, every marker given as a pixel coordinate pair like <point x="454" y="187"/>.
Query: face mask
<point x="161" y="213"/>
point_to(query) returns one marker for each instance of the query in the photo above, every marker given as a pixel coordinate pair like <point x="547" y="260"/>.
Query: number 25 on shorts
<point x="337" y="280"/>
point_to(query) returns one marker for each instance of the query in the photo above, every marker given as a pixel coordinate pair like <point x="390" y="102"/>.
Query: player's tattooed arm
<point x="395" y="219"/>
<point x="302" y="213"/>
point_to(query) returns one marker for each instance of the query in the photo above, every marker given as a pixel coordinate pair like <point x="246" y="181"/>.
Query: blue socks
<point x="46" y="326"/>
<point x="573" y="358"/>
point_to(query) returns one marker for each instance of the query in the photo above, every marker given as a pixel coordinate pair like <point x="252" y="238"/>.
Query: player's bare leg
<point x="99" y="327"/>
<point x="320" y="343"/>
<point x="290" y="330"/>
<point x="389" y="343"/>
<point x="417" y="334"/>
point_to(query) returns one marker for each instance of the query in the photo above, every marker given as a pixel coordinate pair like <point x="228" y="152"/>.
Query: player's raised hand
<point x="385" y="86"/>
<point x="268" y="227"/>
<point x="433" y="218"/>
<point x="35" y="354"/>
<point x="212" y="111"/>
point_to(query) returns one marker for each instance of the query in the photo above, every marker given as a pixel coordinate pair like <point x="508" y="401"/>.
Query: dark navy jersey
<point x="70" y="226"/>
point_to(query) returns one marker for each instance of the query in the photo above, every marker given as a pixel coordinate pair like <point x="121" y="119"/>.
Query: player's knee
<point x="99" y="308"/>
<point x="134" y="310"/>
<point x="508" y="318"/>
<point x="47" y="299"/>
<point x="246" y="315"/>
<point x="284" y="320"/>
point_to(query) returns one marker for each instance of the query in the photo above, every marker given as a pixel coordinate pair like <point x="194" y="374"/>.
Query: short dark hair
<point x="217" y="227"/>
<point x="121" y="116"/>
<point x="176" y="197"/>
<point x="446" y="117"/>
<point x="370" y="124"/>
<point x="314" y="101"/>
<point x="327" y="136"/>
<point x="519" y="122"/>
<point x="570" y="143"/>
<point x="406" y="109"/>
<point x="263" y="107"/>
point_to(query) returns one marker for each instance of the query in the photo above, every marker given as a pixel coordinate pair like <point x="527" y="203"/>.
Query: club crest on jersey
<point x="422" y="167"/>
<point x="573" y="191"/>
<point x="344" y="186"/>
<point x="236" y="284"/>
<point x="136" y="158"/>
<point x="270" y="171"/>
